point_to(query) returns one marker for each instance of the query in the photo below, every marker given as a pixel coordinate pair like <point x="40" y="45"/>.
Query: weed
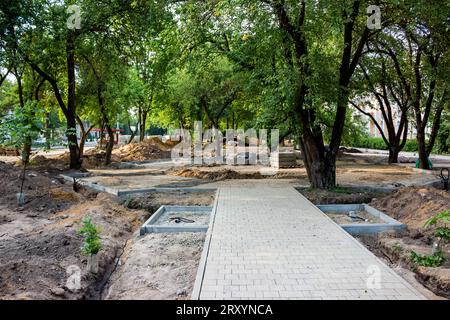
<point x="435" y="260"/>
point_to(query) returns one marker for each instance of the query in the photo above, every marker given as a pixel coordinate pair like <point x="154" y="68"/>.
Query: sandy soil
<point x="170" y="218"/>
<point x="39" y="241"/>
<point x="351" y="171"/>
<point x="158" y="266"/>
<point x="413" y="206"/>
<point x="343" y="218"/>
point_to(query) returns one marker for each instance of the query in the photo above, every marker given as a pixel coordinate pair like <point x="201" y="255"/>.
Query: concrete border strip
<point x="92" y="185"/>
<point x="118" y="192"/>
<point x="196" y="291"/>
<point x="364" y="228"/>
<point x="150" y="225"/>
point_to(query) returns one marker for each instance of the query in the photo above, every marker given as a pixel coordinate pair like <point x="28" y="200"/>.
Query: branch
<point x="374" y="121"/>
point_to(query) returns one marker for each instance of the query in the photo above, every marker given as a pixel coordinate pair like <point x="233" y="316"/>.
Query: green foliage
<point x="397" y="248"/>
<point x="92" y="243"/>
<point x="435" y="260"/>
<point x="443" y="137"/>
<point x="18" y="128"/>
<point x="440" y="221"/>
<point x="379" y="144"/>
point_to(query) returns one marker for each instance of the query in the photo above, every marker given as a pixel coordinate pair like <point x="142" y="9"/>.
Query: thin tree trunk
<point x="84" y="135"/>
<point x="133" y="133"/>
<point x="423" y="157"/>
<point x="75" y="156"/>
<point x="143" y="123"/>
<point x="436" y="124"/>
<point x="47" y="132"/>
<point x="109" y="145"/>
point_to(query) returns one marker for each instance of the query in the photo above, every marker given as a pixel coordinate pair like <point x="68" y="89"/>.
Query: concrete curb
<point x="118" y="192"/>
<point x="150" y="225"/>
<point x="196" y="291"/>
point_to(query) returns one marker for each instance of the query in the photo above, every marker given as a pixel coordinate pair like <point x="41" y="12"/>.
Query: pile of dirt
<point x="9" y="151"/>
<point x="44" y="194"/>
<point x="152" y="148"/>
<point x="339" y="195"/>
<point x="216" y="175"/>
<point x="413" y="206"/>
<point x="149" y="149"/>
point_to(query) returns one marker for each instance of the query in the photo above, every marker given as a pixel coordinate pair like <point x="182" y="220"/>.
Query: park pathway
<point x="272" y="243"/>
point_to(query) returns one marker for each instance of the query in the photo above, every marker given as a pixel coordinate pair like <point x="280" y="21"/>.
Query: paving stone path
<point x="272" y="243"/>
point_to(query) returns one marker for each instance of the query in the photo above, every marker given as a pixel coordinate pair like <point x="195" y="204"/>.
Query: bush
<point x="379" y="144"/>
<point x="92" y="244"/>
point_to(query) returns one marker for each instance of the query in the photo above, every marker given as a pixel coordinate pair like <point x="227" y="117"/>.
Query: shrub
<point x="379" y="144"/>
<point x="440" y="221"/>
<point x="89" y="231"/>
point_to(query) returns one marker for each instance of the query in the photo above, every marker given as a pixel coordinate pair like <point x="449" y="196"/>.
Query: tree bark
<point x="423" y="158"/>
<point x="436" y="123"/>
<point x="84" y="134"/>
<point x="26" y="151"/>
<point x="47" y="131"/>
<point x="142" y="124"/>
<point x="75" y="156"/>
<point x="133" y="133"/>
<point x="109" y="145"/>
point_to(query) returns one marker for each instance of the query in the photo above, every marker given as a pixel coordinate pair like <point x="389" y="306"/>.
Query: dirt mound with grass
<point x="413" y="206"/>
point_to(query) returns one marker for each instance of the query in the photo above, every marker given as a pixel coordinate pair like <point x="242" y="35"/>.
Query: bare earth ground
<point x="366" y="218"/>
<point x="351" y="171"/>
<point x="413" y="207"/>
<point x="158" y="266"/>
<point x="39" y="241"/>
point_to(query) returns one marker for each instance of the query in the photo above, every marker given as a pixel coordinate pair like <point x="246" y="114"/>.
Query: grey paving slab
<point x="272" y="243"/>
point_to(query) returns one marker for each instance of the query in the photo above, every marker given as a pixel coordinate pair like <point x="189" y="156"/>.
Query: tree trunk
<point x="436" y="127"/>
<point x="321" y="167"/>
<point x="423" y="158"/>
<point x="47" y="132"/>
<point x="109" y="144"/>
<point x="143" y="122"/>
<point x="75" y="156"/>
<point x="26" y="151"/>
<point x="393" y="154"/>
<point x="133" y="133"/>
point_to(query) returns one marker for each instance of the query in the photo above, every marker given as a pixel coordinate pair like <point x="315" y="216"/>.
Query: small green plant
<point x="435" y="260"/>
<point x="397" y="248"/>
<point x="442" y="231"/>
<point x="89" y="231"/>
<point x="341" y="190"/>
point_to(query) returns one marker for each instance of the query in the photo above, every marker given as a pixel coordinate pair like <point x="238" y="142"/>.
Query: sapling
<point x="92" y="244"/>
<point x="442" y="232"/>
